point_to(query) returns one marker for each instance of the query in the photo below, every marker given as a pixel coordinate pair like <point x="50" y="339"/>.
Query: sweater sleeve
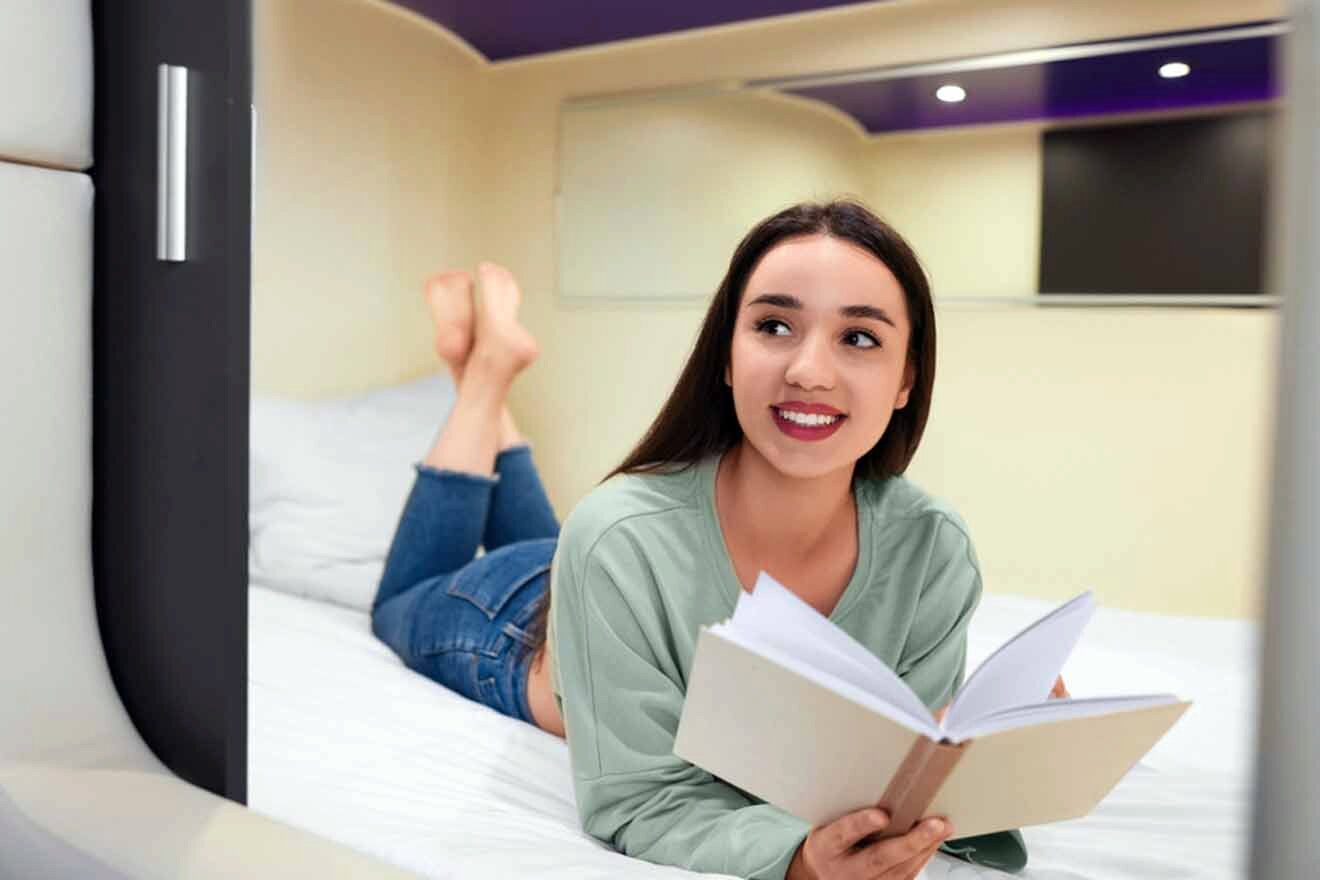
<point x="621" y="703"/>
<point x="935" y="655"/>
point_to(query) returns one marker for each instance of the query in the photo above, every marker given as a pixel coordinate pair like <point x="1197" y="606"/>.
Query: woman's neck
<point x="781" y="516"/>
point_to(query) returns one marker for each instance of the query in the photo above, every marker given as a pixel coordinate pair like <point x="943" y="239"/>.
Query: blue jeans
<point x="459" y="620"/>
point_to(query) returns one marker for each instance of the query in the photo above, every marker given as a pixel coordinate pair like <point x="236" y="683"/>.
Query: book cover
<point x="792" y="713"/>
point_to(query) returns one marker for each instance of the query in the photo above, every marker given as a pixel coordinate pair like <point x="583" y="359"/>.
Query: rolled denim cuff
<point x="517" y="448"/>
<point x="426" y="470"/>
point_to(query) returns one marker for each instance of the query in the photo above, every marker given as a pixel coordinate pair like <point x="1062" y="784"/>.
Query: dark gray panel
<point x="170" y="404"/>
<point x="1173" y="207"/>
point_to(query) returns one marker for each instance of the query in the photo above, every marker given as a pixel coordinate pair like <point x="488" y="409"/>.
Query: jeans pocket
<point x="489" y="583"/>
<point x="438" y="623"/>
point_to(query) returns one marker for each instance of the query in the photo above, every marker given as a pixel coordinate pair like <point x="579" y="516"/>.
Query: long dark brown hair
<point x="699" y="420"/>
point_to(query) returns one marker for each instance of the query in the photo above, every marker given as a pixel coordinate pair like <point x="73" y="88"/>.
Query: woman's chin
<point x="801" y="461"/>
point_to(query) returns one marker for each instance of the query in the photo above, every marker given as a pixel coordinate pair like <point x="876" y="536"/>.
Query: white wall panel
<point x="60" y="705"/>
<point x="46" y="82"/>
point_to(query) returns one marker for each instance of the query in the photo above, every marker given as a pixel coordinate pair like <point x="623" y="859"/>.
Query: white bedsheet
<point x="346" y="742"/>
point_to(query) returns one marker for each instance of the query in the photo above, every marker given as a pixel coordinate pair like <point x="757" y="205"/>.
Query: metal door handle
<point x="172" y="163"/>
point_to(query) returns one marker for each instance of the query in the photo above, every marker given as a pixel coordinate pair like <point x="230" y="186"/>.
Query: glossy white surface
<point x="80" y="793"/>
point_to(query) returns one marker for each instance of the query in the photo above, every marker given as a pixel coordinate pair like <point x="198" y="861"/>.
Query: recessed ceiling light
<point x="1174" y="69"/>
<point x="950" y="94"/>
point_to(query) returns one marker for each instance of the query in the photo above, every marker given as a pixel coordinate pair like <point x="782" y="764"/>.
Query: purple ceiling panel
<point x="1221" y="72"/>
<point x="502" y="29"/>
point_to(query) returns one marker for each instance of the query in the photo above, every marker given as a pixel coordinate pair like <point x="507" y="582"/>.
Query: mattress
<point x="346" y="742"/>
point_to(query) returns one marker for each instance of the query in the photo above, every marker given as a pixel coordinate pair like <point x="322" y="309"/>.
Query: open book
<point x="784" y="705"/>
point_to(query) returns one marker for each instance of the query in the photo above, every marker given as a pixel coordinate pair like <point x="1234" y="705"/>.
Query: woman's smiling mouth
<point x="800" y="424"/>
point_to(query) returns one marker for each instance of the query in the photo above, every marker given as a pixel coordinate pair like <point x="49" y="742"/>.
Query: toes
<point x="486" y="267"/>
<point x="449" y="295"/>
<point x="456" y="281"/>
<point x="452" y="276"/>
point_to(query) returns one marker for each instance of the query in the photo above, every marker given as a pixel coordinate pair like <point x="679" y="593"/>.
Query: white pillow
<point x="327" y="482"/>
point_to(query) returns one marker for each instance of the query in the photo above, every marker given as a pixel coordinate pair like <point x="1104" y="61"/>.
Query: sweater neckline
<point x="727" y="577"/>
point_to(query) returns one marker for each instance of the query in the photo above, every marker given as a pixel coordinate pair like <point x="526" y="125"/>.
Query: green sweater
<point x="641" y="563"/>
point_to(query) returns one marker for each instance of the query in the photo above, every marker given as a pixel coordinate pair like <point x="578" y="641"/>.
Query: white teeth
<point x="812" y="420"/>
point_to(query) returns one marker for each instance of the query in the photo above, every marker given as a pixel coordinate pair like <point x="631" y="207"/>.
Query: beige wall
<point x="370" y="174"/>
<point x="968" y="200"/>
<point x="694" y="173"/>
<point x="1122" y="450"/>
<point x="1088" y="448"/>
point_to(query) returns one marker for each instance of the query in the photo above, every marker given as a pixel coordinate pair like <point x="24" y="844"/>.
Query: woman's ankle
<point x="509" y="437"/>
<point x="488" y="378"/>
<point x="492" y="365"/>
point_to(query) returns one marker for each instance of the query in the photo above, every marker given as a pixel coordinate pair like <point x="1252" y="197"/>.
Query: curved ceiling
<point x="1226" y="65"/>
<point x="507" y="29"/>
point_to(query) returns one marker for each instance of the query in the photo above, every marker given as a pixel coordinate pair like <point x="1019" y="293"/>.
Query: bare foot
<point x="450" y="297"/>
<point x="501" y="342"/>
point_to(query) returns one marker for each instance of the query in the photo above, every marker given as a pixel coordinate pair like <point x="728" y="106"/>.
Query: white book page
<point x="827" y="679"/>
<point x="771" y="593"/>
<point x="774" y="615"/>
<point x="1058" y="710"/>
<point x="1023" y="670"/>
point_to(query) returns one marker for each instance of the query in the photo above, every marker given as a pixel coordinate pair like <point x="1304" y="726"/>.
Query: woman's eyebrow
<point x="788" y="301"/>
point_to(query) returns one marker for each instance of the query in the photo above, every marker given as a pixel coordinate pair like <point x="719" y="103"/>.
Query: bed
<point x="346" y="742"/>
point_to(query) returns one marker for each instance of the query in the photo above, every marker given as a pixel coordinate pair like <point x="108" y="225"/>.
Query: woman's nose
<point x="812" y="364"/>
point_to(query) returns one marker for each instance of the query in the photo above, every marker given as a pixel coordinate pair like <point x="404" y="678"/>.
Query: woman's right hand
<point x="829" y="851"/>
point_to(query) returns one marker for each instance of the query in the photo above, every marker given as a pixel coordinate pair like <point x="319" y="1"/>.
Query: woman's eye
<point x="854" y="338"/>
<point x="871" y="341"/>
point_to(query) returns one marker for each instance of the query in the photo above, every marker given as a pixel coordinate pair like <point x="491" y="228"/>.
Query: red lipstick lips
<point x="780" y="414"/>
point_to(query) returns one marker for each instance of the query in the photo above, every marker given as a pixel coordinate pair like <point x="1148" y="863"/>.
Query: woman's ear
<point x="909" y="379"/>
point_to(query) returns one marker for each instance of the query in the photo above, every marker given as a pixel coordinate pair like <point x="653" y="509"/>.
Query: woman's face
<point x="822" y="331"/>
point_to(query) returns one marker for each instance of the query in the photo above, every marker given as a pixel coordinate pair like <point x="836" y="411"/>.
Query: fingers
<point x="894" y="854"/>
<point x="909" y="869"/>
<point x="855" y="826"/>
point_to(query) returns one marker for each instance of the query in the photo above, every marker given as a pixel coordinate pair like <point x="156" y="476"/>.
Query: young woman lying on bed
<point x="781" y="448"/>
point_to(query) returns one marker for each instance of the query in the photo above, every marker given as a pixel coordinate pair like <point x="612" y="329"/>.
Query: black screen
<point x="1159" y="208"/>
